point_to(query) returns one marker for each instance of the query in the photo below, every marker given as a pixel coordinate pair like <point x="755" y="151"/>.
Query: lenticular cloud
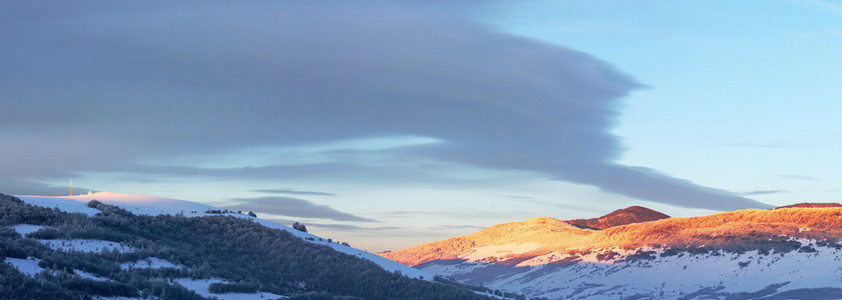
<point x="184" y="78"/>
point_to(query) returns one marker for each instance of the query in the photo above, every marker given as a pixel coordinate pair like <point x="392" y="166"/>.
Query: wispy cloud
<point x="520" y="197"/>
<point x="293" y="207"/>
<point x="799" y="177"/>
<point x="763" y="192"/>
<point x="447" y="227"/>
<point x="333" y="226"/>
<point x="294" y="192"/>
<point x="821" y="5"/>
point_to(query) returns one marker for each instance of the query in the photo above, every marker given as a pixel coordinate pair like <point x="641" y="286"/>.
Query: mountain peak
<point x="628" y="215"/>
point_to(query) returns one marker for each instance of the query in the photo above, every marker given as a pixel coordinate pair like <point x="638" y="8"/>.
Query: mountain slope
<point x="154" y="206"/>
<point x="105" y="250"/>
<point x="629" y="215"/>
<point x="783" y="250"/>
<point x="519" y="238"/>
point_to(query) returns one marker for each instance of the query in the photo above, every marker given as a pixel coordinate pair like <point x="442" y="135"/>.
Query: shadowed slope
<point x="629" y="215"/>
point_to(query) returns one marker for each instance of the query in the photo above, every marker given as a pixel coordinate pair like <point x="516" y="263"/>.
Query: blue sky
<point x="742" y="94"/>
<point x="387" y="124"/>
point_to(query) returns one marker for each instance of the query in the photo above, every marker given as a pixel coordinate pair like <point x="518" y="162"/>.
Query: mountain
<point x="128" y="246"/>
<point x="780" y="254"/>
<point x="629" y="215"/>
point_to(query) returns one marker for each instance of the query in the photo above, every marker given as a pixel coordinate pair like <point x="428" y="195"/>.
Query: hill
<point x="629" y="215"/>
<point x="155" y="206"/>
<point x="73" y="248"/>
<point x="784" y="251"/>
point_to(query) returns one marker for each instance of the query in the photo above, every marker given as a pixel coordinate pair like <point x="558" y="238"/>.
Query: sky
<point x="387" y="124"/>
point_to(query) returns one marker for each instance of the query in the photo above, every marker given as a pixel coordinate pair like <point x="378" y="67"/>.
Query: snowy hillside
<point x="654" y="274"/>
<point x="146" y="205"/>
<point x="131" y="247"/>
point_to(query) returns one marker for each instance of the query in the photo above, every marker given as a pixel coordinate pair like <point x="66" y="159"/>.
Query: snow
<point x="498" y="251"/>
<point x="140" y="205"/>
<point x="200" y="286"/>
<point x="384" y="263"/>
<point x="87" y="275"/>
<point x="592" y="257"/>
<point x="673" y="276"/>
<point x="150" y="263"/>
<point x="86" y="245"/>
<point x="24" y="229"/>
<point x="146" y="205"/>
<point x="27" y="266"/>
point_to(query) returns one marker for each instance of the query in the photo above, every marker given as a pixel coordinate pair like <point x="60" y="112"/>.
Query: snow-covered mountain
<point x="152" y="206"/>
<point x="780" y="254"/>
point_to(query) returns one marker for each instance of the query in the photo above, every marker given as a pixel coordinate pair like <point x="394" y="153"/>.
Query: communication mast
<point x="71" y="187"/>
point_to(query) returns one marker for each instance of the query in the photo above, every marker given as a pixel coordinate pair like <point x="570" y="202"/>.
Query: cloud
<point x="125" y="83"/>
<point x="293" y="207"/>
<point x="821" y="5"/>
<point x="762" y="192"/>
<point x="799" y="177"/>
<point x="648" y="184"/>
<point x="447" y="227"/>
<point x="520" y="197"/>
<point x="336" y="227"/>
<point x="293" y="192"/>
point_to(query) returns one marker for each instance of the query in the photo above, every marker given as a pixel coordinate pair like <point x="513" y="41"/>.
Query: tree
<point x="252" y="214"/>
<point x="299" y="227"/>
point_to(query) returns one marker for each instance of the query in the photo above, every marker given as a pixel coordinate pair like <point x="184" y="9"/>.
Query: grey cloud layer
<point x="100" y="86"/>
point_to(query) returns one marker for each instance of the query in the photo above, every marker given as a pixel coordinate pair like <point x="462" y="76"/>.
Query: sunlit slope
<point x="545" y="232"/>
<point x="738" y="230"/>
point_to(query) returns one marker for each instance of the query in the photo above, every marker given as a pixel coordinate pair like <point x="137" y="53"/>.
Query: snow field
<point x="24" y="229"/>
<point x="150" y="263"/>
<point x="29" y="266"/>
<point x="498" y="252"/>
<point x="86" y="245"/>
<point x="673" y="275"/>
<point x="201" y="287"/>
